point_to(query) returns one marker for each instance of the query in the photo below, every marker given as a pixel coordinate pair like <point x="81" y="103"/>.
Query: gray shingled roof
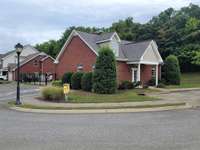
<point x="134" y="51"/>
<point x="30" y="57"/>
<point x="104" y="37"/>
<point x="130" y="50"/>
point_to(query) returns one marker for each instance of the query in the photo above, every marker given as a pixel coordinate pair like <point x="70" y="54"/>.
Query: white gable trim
<point x="155" y="50"/>
<point x="115" y="34"/>
<point x="144" y="62"/>
<point x="73" y="33"/>
<point x="48" y="56"/>
<point x="110" y="39"/>
<point x="21" y="64"/>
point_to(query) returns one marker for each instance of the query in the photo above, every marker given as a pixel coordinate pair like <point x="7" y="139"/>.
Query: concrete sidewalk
<point x="171" y="99"/>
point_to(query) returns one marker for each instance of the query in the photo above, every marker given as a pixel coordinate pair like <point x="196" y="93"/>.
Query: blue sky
<point x="36" y="21"/>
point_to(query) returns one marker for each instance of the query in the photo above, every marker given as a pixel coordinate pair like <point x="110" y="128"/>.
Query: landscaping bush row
<point x="76" y="80"/>
<point x="53" y="94"/>
<point x="84" y="81"/>
<point x="128" y="85"/>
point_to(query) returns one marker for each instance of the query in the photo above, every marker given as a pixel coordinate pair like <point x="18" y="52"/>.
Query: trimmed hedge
<point x="152" y="82"/>
<point x="86" y="81"/>
<point x="57" y="83"/>
<point x="105" y="77"/>
<point x="67" y="77"/>
<point x="76" y="80"/>
<point x="52" y="94"/>
<point x="126" y="85"/>
<point x="172" y="70"/>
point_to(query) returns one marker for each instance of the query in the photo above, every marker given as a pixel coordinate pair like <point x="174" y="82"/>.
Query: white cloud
<point x="32" y="21"/>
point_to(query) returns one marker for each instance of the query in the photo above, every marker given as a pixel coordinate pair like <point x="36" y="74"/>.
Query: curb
<point x="100" y="111"/>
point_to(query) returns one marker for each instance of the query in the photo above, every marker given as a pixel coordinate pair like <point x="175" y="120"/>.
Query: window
<point x="79" y="67"/>
<point x="153" y="72"/>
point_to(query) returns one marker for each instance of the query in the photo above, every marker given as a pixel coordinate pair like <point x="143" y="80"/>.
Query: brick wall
<point x="32" y="67"/>
<point x="123" y="71"/>
<point x="48" y="66"/>
<point x="77" y="52"/>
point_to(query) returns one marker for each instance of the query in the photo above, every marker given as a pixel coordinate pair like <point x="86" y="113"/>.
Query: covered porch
<point x="145" y="71"/>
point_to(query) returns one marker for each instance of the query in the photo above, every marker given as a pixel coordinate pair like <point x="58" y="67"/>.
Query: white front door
<point x="134" y="74"/>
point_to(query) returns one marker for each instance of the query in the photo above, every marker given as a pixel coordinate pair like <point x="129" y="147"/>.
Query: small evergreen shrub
<point x="76" y="80"/>
<point x="86" y="81"/>
<point x="67" y="77"/>
<point x="52" y="94"/>
<point x="136" y="84"/>
<point x="172" y="70"/>
<point x="57" y="83"/>
<point x="145" y="86"/>
<point x="104" y="76"/>
<point x="152" y="82"/>
<point x="161" y="85"/>
<point x="126" y="85"/>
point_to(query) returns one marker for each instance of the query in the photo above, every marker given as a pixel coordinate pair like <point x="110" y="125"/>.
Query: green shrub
<point x="86" y="81"/>
<point x="152" y="82"/>
<point x="53" y="94"/>
<point x="172" y="70"/>
<point x="104" y="77"/>
<point x="67" y="77"/>
<point x="136" y="84"/>
<point x="57" y="83"/>
<point x="161" y="85"/>
<point x="145" y="86"/>
<point x="76" y="80"/>
<point x="126" y="85"/>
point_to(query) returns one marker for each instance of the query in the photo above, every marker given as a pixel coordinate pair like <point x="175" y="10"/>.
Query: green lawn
<point x="188" y="80"/>
<point x="120" y="96"/>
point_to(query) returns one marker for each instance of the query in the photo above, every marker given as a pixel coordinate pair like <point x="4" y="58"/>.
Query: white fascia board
<point x="67" y="42"/>
<point x="87" y="44"/>
<point x="121" y="59"/>
<point x="110" y="39"/>
<point x="63" y="48"/>
<point x="115" y="34"/>
<point x="155" y="49"/>
<point x="42" y="53"/>
<point x="144" y="62"/>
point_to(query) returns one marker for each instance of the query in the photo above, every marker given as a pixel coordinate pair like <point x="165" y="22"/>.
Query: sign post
<point x="66" y="89"/>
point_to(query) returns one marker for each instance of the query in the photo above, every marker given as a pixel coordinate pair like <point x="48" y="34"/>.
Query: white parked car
<point x="3" y="76"/>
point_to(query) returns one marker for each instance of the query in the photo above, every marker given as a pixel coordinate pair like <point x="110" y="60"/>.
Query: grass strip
<point x="29" y="106"/>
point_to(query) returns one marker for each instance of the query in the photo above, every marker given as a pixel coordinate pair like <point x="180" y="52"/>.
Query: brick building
<point x="136" y="61"/>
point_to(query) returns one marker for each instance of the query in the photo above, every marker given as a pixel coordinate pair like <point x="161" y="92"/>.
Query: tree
<point x="67" y="77"/>
<point x="86" y="81"/>
<point x="172" y="70"/>
<point x="196" y="59"/>
<point x="104" y="77"/>
<point x="173" y="30"/>
<point x="76" y="80"/>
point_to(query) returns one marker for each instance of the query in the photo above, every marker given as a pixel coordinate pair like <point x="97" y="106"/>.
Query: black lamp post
<point x="18" y="49"/>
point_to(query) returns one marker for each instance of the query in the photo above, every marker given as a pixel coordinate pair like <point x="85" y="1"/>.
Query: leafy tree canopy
<point x="177" y="32"/>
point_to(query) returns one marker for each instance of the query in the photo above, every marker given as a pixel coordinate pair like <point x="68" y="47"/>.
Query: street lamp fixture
<point x="18" y="49"/>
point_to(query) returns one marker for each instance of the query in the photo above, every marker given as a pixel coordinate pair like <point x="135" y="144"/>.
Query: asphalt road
<point x="169" y="130"/>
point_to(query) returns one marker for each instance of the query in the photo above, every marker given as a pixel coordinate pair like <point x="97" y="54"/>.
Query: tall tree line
<point x="176" y="32"/>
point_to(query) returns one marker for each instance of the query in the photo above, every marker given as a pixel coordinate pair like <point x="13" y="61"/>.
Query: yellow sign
<point x="66" y="88"/>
